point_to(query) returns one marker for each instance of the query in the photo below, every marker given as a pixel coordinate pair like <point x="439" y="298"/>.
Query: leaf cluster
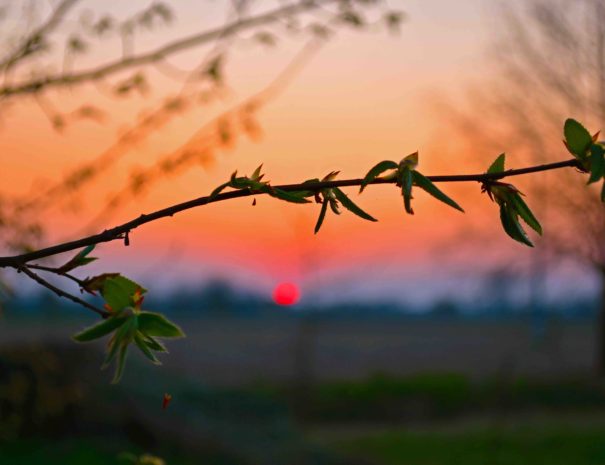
<point x="80" y="259"/>
<point x="512" y="205"/>
<point x="586" y="149"/>
<point x="334" y="197"/>
<point x="127" y="322"/>
<point x="255" y="185"/>
<point x="407" y="176"/>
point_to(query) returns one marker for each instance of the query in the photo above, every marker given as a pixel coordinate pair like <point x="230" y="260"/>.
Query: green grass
<point x="91" y="451"/>
<point x="382" y="398"/>
<point x="548" y="443"/>
<point x="50" y="453"/>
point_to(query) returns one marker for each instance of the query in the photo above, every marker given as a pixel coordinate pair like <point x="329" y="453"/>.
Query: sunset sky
<point x="363" y="97"/>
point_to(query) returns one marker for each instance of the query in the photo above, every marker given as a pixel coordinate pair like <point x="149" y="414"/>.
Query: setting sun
<point x="286" y="294"/>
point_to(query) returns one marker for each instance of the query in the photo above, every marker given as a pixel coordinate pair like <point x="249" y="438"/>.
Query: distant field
<point x="51" y="453"/>
<point x="232" y="351"/>
<point x="548" y="440"/>
<point x="57" y="407"/>
<point x="83" y="451"/>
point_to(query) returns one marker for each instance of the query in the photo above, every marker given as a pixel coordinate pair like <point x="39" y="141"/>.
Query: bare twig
<point x="61" y="292"/>
<point x="36" y="37"/>
<point x="83" y="173"/>
<point x="205" y="138"/>
<point x="129" y="62"/>
<point x="58" y="272"/>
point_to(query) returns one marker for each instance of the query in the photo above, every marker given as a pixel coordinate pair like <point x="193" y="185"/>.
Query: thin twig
<point x="118" y="232"/>
<point x="62" y="80"/>
<point x="37" y="36"/>
<point x="56" y="271"/>
<point x="197" y="142"/>
<point x="61" y="292"/>
<point x="106" y="160"/>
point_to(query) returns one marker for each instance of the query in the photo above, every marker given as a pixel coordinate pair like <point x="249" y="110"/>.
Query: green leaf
<point x="112" y="350"/>
<point x="426" y="184"/>
<point x="86" y="261"/>
<point x="156" y="324"/>
<point x="377" y="171"/>
<point x="322" y="215"/>
<point x="409" y="162"/>
<point x="406" y="189"/>
<point x="511" y="225"/>
<point x="240" y="183"/>
<point x="141" y="343"/>
<point x="123" y="351"/>
<point x="524" y="212"/>
<point x="86" y="251"/>
<point x="122" y="342"/>
<point x="257" y="186"/>
<point x="294" y="197"/>
<point x="218" y="190"/>
<point x="96" y="283"/>
<point x="577" y="138"/>
<point x="498" y="165"/>
<point x="123" y="336"/>
<point x="597" y="163"/>
<point x="99" y="330"/>
<point x="118" y="291"/>
<point x="80" y="259"/>
<point x="350" y="205"/>
<point x="256" y="175"/>
<point x="334" y="206"/>
<point x="154" y="344"/>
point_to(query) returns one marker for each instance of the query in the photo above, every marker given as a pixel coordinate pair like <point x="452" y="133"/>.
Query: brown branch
<point x="56" y="271"/>
<point x="572" y="163"/>
<point x="62" y="80"/>
<point x="75" y="179"/>
<point x="36" y="37"/>
<point x="61" y="292"/>
<point x="202" y="140"/>
<point x="119" y="232"/>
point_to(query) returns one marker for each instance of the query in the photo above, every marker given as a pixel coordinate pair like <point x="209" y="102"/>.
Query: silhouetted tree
<point x="548" y="62"/>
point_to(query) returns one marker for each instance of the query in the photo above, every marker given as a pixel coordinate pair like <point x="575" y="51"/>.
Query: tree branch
<point x="61" y="292"/>
<point x="119" y="232"/>
<point x="204" y="139"/>
<point x="62" y="80"/>
<point x="36" y="37"/>
<point x="56" y="271"/>
<point x="87" y="171"/>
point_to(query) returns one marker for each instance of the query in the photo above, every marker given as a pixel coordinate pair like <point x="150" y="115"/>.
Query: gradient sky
<point x="364" y="97"/>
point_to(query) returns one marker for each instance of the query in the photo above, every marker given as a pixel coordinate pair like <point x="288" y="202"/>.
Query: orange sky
<point x="363" y="98"/>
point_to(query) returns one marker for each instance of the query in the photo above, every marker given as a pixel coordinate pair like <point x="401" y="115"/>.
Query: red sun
<point x="286" y="294"/>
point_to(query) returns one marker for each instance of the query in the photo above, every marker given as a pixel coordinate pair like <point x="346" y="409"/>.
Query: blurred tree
<point x="68" y="56"/>
<point x="549" y="62"/>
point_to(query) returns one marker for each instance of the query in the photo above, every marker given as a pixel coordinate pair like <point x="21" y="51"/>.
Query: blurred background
<point x="422" y="339"/>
